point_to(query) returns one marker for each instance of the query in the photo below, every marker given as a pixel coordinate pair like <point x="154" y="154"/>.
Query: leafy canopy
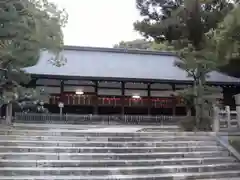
<point x="227" y="35"/>
<point x="188" y="27"/>
<point x="26" y="28"/>
<point x="177" y="19"/>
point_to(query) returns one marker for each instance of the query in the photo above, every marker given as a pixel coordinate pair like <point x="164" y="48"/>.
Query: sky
<point x="100" y="23"/>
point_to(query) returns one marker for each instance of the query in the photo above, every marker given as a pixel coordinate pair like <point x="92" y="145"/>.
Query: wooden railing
<point x="96" y="119"/>
<point x="157" y="102"/>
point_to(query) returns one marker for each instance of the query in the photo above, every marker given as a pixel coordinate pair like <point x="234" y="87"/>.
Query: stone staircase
<point x="67" y="152"/>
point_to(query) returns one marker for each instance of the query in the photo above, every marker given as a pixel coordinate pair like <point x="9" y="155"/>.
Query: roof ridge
<point x="119" y="50"/>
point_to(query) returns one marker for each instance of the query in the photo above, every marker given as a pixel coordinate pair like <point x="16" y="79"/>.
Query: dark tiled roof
<point x="109" y="63"/>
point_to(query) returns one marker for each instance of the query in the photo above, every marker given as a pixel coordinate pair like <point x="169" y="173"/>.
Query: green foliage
<point x="177" y="19"/>
<point x="135" y="44"/>
<point x="188" y="97"/>
<point x="188" y="124"/>
<point x="164" y="46"/>
<point x="27" y="28"/>
<point x="31" y="100"/>
<point x="188" y="27"/>
<point x="145" y="45"/>
<point x="227" y="35"/>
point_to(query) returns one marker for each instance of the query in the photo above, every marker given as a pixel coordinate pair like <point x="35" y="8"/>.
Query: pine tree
<point x="166" y="19"/>
<point x="188" y="26"/>
<point x="227" y="35"/>
<point x="27" y="27"/>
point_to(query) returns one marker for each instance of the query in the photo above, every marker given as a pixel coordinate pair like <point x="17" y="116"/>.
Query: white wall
<point x="50" y="90"/>
<point x="78" y="82"/>
<point x="136" y="92"/>
<point x="135" y="85"/>
<point x="79" y="88"/>
<point x="110" y="84"/>
<point x="161" y="86"/>
<point x="111" y="92"/>
<point x="161" y="93"/>
<point x="48" y="82"/>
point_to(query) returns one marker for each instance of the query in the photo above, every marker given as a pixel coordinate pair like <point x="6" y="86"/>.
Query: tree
<point x="228" y="41"/>
<point x="144" y="45"/>
<point x="164" y="19"/>
<point x="27" y="28"/>
<point x="163" y="46"/>
<point x="227" y="35"/>
<point x="188" y="26"/>
<point x="135" y="44"/>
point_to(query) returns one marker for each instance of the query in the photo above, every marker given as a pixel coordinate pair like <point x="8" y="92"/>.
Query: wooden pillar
<point x="122" y="96"/>
<point x="96" y="98"/>
<point x="149" y="98"/>
<point x="62" y="92"/>
<point x="174" y="102"/>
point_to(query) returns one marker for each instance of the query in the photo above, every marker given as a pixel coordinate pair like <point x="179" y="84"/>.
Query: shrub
<point x="189" y="124"/>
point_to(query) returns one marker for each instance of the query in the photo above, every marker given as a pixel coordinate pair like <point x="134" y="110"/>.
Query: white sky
<point x="100" y="23"/>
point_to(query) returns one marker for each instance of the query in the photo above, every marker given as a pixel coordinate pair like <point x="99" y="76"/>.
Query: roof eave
<point x="129" y="79"/>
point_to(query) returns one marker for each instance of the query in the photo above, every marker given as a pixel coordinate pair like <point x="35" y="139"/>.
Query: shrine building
<point x="119" y="81"/>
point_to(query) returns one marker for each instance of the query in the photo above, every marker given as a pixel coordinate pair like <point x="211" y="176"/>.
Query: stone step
<point x="52" y="126"/>
<point x="83" y="152"/>
<point x="81" y="133"/>
<point x="164" y="138"/>
<point x="117" y="139"/>
<point x="59" y="149"/>
<point x="76" y="126"/>
<point x="102" y="156"/>
<point x="228" y="175"/>
<point x="67" y="132"/>
<point x="78" y="121"/>
<point x="120" y="170"/>
<point x="228" y="178"/>
<point x="106" y="143"/>
<point x="115" y="162"/>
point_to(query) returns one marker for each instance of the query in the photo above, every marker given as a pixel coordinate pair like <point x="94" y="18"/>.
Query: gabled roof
<point x="119" y="64"/>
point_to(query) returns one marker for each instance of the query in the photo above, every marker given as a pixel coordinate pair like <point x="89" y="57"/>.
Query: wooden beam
<point x="174" y="103"/>
<point x="96" y="98"/>
<point x="149" y="98"/>
<point x="123" y="96"/>
<point x="87" y="85"/>
<point x="62" y="91"/>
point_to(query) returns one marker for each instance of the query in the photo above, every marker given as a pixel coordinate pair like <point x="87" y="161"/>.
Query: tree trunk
<point x="189" y="112"/>
<point x="9" y="113"/>
<point x="196" y="102"/>
<point x="199" y="102"/>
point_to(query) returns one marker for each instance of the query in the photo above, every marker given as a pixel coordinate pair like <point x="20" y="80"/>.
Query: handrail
<point x="230" y="148"/>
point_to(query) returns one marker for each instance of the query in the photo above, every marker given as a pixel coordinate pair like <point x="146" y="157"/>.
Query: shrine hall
<point x="119" y="81"/>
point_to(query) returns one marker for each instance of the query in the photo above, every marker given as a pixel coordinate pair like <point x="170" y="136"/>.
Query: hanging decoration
<point x="73" y="99"/>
